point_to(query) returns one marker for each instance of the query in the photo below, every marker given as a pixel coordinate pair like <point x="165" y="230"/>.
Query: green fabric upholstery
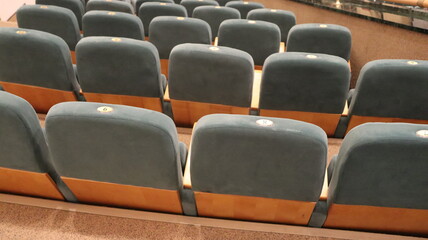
<point x="190" y="5"/>
<point x="131" y="146"/>
<point x="22" y="143"/>
<point x="320" y="38"/>
<point x="392" y="88"/>
<point x="166" y="32"/>
<point x="150" y="10"/>
<point x="115" y="6"/>
<point x="114" y="24"/>
<point x="258" y="38"/>
<point x="223" y="2"/>
<point x="215" y="15"/>
<point x="244" y="7"/>
<point x="284" y="19"/>
<point x="203" y="73"/>
<point x="138" y="3"/>
<point x="52" y="19"/>
<point x="382" y="164"/>
<point x="330" y="168"/>
<point x="22" y="140"/>
<point x="350" y="96"/>
<point x="76" y="6"/>
<point x="126" y="67"/>
<point x="233" y="154"/>
<point x="49" y="65"/>
<point x="305" y="82"/>
<point x="183" y="155"/>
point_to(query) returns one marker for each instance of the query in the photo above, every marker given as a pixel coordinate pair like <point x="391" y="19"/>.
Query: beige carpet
<point x="25" y="222"/>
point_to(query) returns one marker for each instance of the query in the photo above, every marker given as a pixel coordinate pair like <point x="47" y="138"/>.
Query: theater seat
<point x="214" y="16"/>
<point x="25" y="167"/>
<point x="52" y="19"/>
<point x="223" y="2"/>
<point x="190" y="5"/>
<point x="138" y="3"/>
<point x="320" y="38"/>
<point x="284" y="19"/>
<point x="113" y="24"/>
<point x="205" y="79"/>
<point x="76" y="6"/>
<point x="379" y="181"/>
<point x="390" y="90"/>
<point x="244" y="7"/>
<point x="256" y="169"/>
<point x="44" y="79"/>
<point x="258" y="38"/>
<point x="109" y="5"/>
<point x="150" y="10"/>
<point x="306" y="87"/>
<point x="120" y="71"/>
<point x="166" y="32"/>
<point x="117" y="155"/>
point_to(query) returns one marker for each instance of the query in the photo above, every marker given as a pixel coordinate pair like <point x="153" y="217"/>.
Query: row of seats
<point x="303" y="86"/>
<point x="79" y="7"/>
<point x="239" y="167"/>
<point x="167" y="25"/>
<point x="209" y="11"/>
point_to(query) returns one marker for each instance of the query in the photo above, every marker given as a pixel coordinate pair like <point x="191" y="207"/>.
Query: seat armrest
<point x="282" y="47"/>
<point x="164" y="82"/>
<point x="324" y="191"/>
<point x="351" y="94"/>
<point x="330" y="168"/>
<point x="256" y="90"/>
<point x="187" y="181"/>
<point x="183" y="155"/>
<point x="166" y="95"/>
<point x="319" y="213"/>
<point x="345" y="110"/>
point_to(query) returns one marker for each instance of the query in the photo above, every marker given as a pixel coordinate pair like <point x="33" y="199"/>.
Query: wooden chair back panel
<point x="253" y="208"/>
<point x="380" y="219"/>
<point x="186" y="112"/>
<point x="164" y="67"/>
<point x="358" y="120"/>
<point x="42" y="99"/>
<point x="73" y="57"/>
<point x="112" y="194"/>
<point x="28" y="183"/>
<point x="135" y="101"/>
<point x="327" y="121"/>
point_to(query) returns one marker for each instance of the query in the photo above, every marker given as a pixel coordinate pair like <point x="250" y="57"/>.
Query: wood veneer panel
<point x="128" y="196"/>
<point x="73" y="57"/>
<point x="358" y="120"/>
<point x="28" y="183"/>
<point x="164" y="67"/>
<point x="327" y="121"/>
<point x="253" y="208"/>
<point x="186" y="112"/>
<point x="135" y="101"/>
<point x="42" y="99"/>
<point x="372" y="218"/>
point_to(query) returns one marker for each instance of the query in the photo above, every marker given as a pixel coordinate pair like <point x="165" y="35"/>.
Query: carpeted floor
<point x="27" y="222"/>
